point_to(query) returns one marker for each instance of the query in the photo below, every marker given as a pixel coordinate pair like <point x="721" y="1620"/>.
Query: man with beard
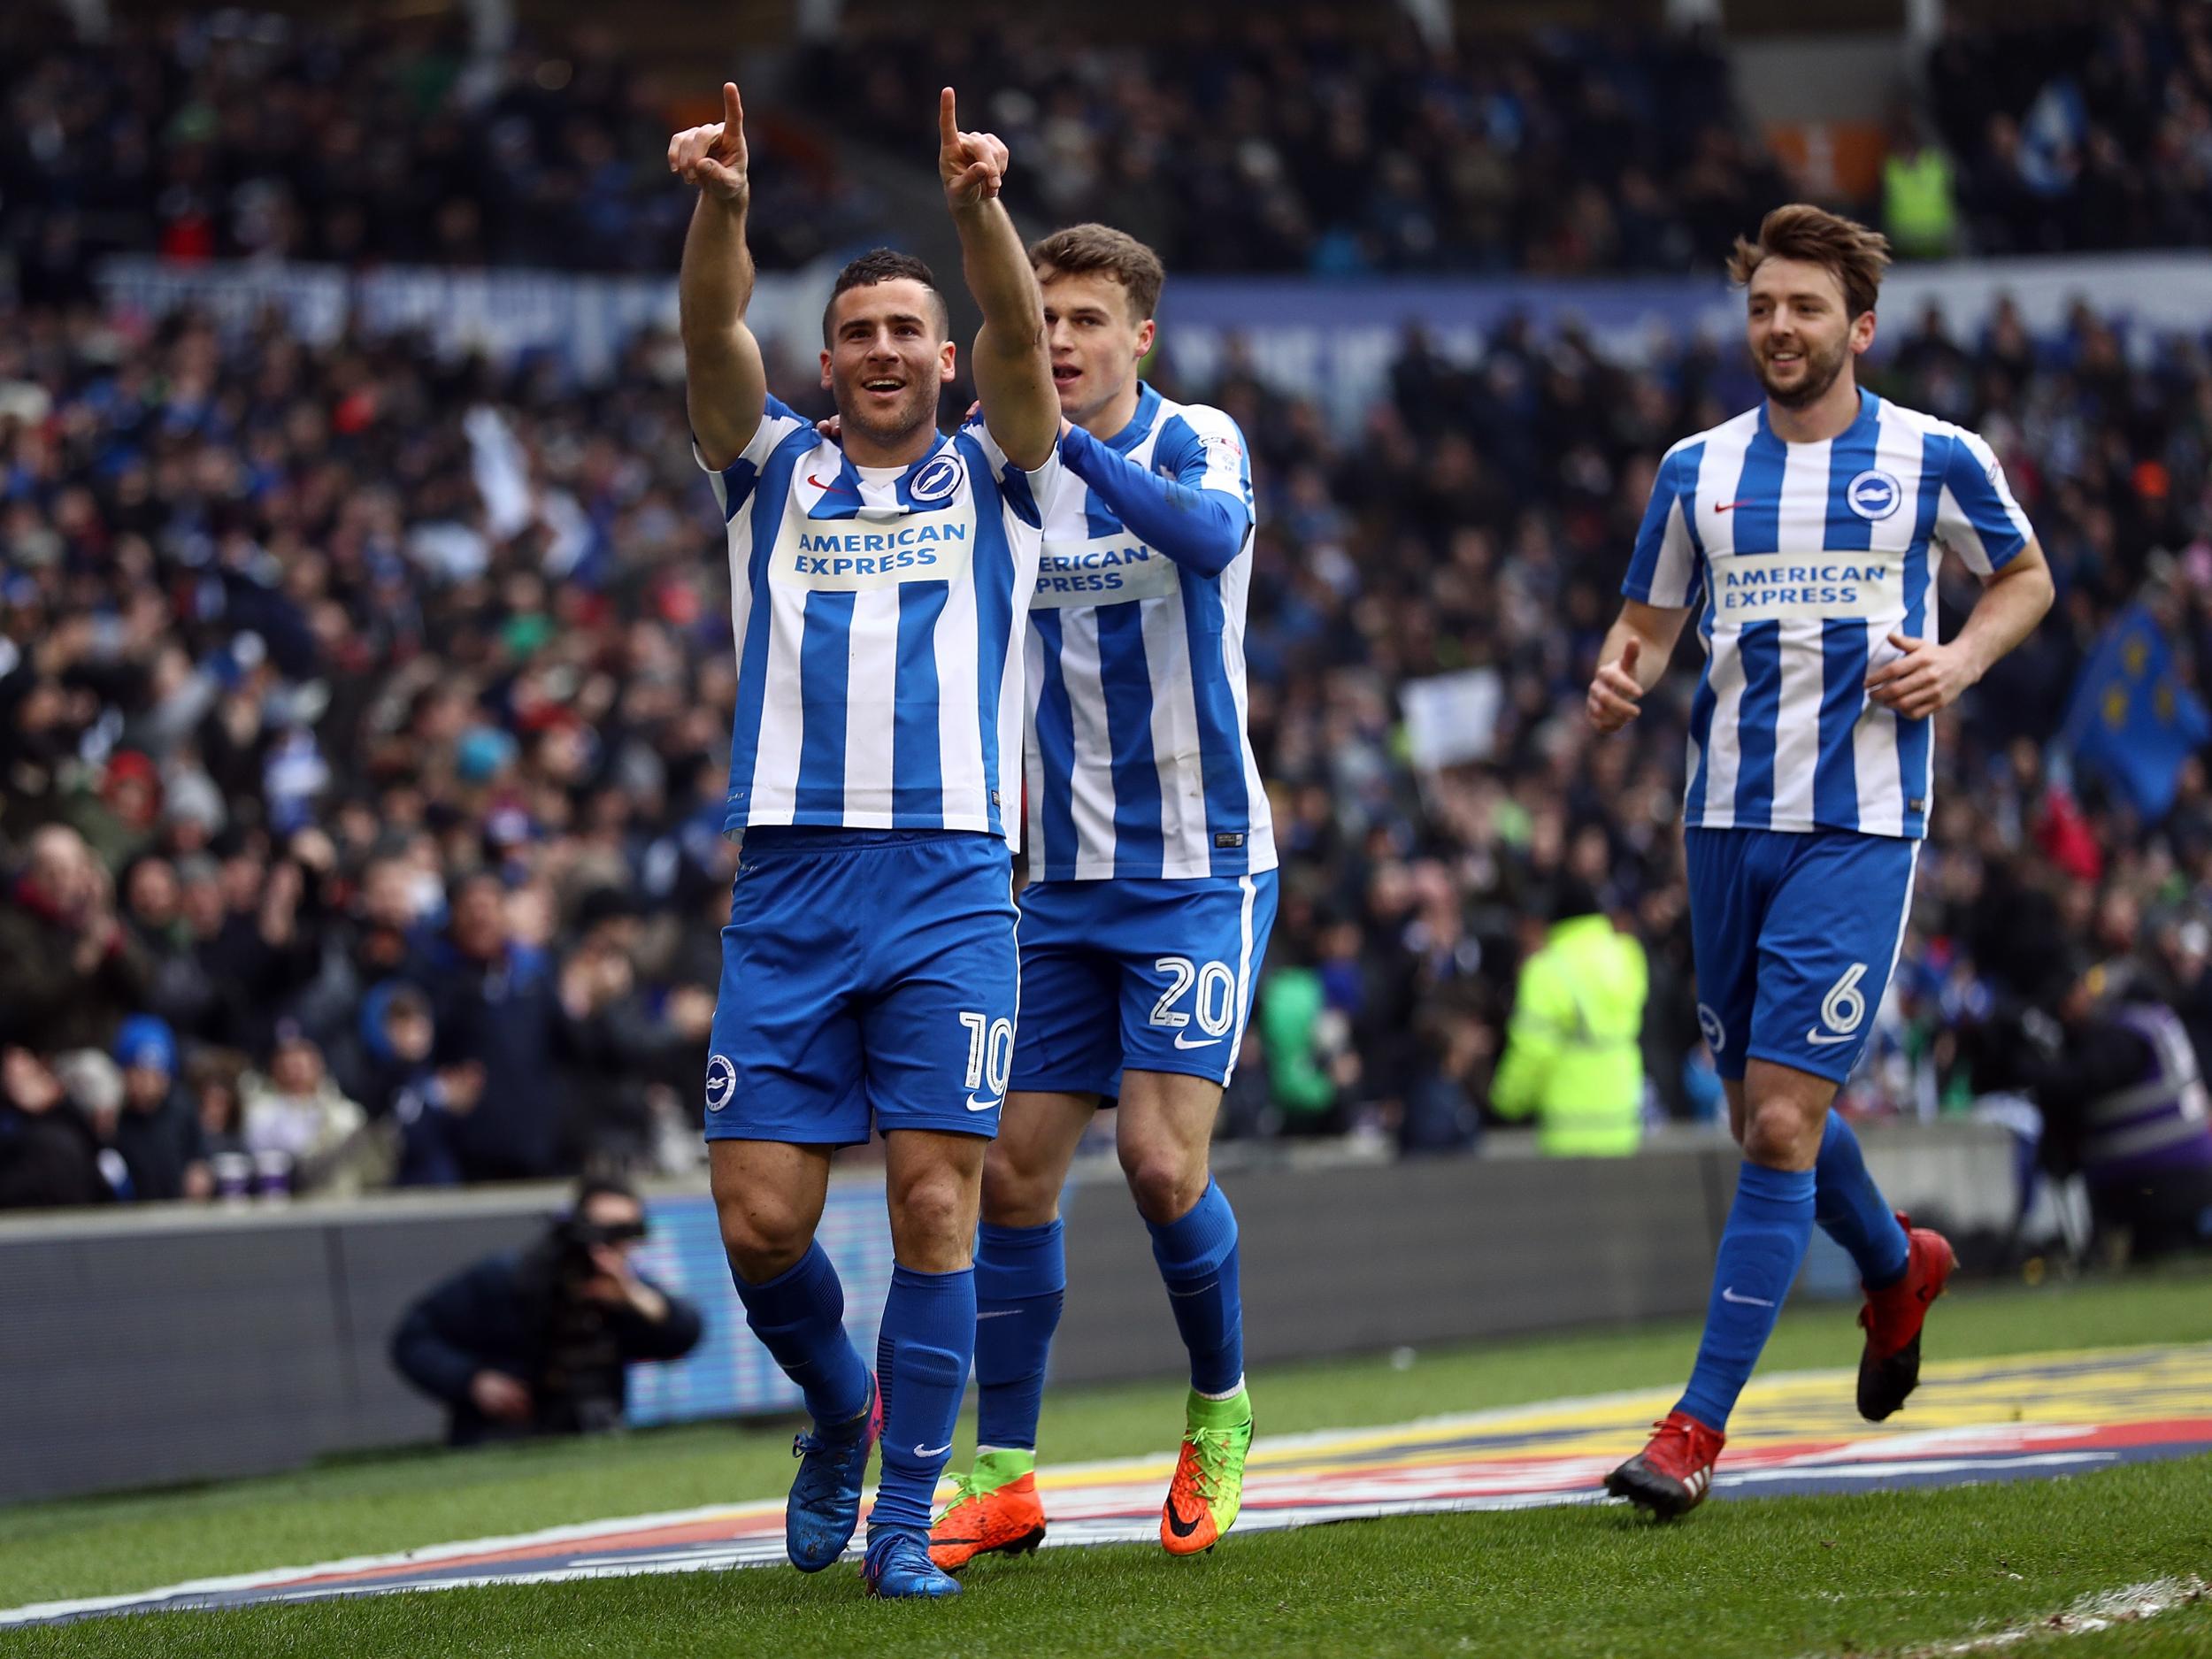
<point x="869" y="974"/>
<point x="1807" y="533"/>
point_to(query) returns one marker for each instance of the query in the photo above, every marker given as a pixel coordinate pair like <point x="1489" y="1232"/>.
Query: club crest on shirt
<point x="936" y="478"/>
<point x="1874" y="495"/>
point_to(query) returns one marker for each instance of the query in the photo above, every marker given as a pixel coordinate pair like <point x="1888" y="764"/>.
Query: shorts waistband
<point x="810" y="838"/>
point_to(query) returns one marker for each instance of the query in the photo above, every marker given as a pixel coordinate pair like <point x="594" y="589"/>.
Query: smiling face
<point x="887" y="360"/>
<point x="1800" y="335"/>
<point x="1096" y="338"/>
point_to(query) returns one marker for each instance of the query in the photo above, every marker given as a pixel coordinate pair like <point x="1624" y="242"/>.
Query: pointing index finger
<point x="733" y="110"/>
<point x="947" y="125"/>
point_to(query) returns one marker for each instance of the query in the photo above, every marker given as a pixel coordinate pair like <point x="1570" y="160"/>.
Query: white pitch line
<point x="2130" y="1605"/>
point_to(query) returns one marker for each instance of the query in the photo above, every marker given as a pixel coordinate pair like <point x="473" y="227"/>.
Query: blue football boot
<point x="898" y="1566"/>
<point x="823" y="1511"/>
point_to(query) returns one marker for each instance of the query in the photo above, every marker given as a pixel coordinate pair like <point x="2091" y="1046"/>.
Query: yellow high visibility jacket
<point x="1572" y="1058"/>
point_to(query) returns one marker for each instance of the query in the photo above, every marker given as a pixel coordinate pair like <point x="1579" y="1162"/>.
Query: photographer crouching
<point x="535" y="1342"/>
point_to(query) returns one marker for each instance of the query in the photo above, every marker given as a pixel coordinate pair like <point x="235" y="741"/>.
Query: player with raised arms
<point x="879" y="593"/>
<point x="1152" y="890"/>
<point x="1806" y="534"/>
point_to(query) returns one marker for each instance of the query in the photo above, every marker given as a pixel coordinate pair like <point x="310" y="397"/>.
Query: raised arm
<point x="1013" y="365"/>
<point x="726" y="384"/>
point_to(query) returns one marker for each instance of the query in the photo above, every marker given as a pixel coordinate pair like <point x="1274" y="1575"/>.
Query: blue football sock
<point x="1852" y="1212"/>
<point x="1198" y="1259"/>
<point x="1021" y="1276"/>
<point x="799" y="1316"/>
<point x="1761" y="1249"/>
<point x="922" y="1359"/>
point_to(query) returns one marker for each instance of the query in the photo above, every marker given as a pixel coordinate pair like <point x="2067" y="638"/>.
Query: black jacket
<point x="507" y="1314"/>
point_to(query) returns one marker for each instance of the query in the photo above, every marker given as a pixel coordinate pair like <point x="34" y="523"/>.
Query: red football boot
<point x="1889" y="1365"/>
<point x="1674" y="1471"/>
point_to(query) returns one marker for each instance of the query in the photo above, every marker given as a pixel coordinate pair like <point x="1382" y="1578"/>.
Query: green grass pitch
<point x="1897" y="1574"/>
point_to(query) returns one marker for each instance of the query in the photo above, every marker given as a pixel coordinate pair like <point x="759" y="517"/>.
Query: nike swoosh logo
<point x="932" y="1451"/>
<point x="1209" y="1043"/>
<point x="1718" y="506"/>
<point x="1822" y="1040"/>
<point x="835" y="483"/>
<point x="975" y="1105"/>
<point x="1728" y="1293"/>
<point x="1178" y="1525"/>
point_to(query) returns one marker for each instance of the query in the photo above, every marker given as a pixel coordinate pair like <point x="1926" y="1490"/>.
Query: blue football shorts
<point x="867" y="976"/>
<point x="1140" y="973"/>
<point x="1796" y="935"/>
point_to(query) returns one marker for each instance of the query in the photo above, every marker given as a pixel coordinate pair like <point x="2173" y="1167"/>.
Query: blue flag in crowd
<point x="2131" y="720"/>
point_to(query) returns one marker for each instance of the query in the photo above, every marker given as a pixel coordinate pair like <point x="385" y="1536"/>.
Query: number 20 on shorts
<point x="1215" y="1004"/>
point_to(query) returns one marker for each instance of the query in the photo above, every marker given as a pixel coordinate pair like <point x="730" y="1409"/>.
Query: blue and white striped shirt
<point x="878" y="615"/>
<point x="1139" y="765"/>
<point x="1803" y="559"/>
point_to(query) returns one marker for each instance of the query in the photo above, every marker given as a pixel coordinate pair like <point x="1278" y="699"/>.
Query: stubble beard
<point x="890" y="431"/>
<point x="1820" y="374"/>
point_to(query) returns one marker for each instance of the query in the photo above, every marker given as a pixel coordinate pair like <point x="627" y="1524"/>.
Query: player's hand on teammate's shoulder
<point x="1927" y="679"/>
<point x="713" y="156"/>
<point x="971" y="164"/>
<point x="1616" y="694"/>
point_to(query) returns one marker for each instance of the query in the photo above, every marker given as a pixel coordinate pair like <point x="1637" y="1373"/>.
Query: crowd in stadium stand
<point x="364" y="716"/>
<point x="1312" y="141"/>
<point x="2091" y="134"/>
<point x="1325" y="142"/>
<point x="232" y="134"/>
<point x="362" y="728"/>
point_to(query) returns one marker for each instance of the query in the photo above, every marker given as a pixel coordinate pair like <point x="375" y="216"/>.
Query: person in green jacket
<point x="1572" y="1059"/>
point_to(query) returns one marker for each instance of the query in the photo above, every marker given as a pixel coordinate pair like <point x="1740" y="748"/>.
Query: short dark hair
<point x="1102" y="251"/>
<point x="1856" y="254"/>
<point x="888" y="265"/>
<point x="602" y="1187"/>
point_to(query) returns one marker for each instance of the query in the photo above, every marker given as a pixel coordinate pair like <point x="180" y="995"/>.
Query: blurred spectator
<point x="496" y="1008"/>
<point x="305" y="1136"/>
<point x="213" y="1081"/>
<point x="68" y="971"/>
<point x="535" y="1342"/>
<point x="2122" y="1094"/>
<point x="1919" y="196"/>
<point x="633" y="1064"/>
<point x="49" y="1152"/>
<point x="158" y="1134"/>
<point x="1572" y="1059"/>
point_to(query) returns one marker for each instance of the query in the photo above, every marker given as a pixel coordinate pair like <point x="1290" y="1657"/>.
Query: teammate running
<point x="1807" y="532"/>
<point x="1152" y="891"/>
<point x="879" y="594"/>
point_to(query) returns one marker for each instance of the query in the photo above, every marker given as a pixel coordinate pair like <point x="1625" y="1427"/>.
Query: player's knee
<point x="762" y="1235"/>
<point x="1781" y="1132"/>
<point x="1014" y="1196"/>
<point x="1164" y="1181"/>
<point x="929" y="1210"/>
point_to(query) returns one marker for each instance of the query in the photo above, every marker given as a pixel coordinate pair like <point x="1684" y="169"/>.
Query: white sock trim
<point x="1234" y="1391"/>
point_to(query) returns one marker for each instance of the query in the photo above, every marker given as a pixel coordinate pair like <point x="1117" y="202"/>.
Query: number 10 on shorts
<point x="990" y="1051"/>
